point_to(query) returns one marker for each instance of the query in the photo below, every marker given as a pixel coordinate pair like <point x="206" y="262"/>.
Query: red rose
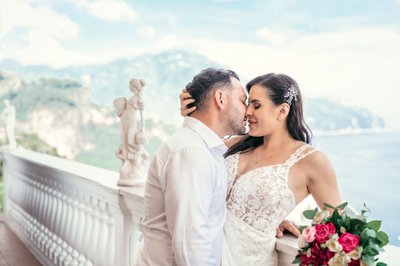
<point x="348" y="241"/>
<point x="317" y="255"/>
<point x="354" y="263"/>
<point x="323" y="231"/>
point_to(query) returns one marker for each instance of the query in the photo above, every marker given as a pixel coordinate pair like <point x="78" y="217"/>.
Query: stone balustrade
<point x="69" y="213"/>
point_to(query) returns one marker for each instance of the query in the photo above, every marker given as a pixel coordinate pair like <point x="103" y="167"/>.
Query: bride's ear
<point x="220" y="99"/>
<point x="283" y="111"/>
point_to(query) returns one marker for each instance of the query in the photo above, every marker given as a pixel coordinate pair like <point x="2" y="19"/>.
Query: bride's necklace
<point x="258" y="159"/>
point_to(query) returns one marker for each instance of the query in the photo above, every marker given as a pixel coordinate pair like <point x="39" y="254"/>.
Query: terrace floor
<point x="12" y="251"/>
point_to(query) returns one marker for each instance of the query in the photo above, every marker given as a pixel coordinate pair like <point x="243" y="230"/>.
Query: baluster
<point x="30" y="190"/>
<point x="66" y="235"/>
<point x="74" y="223"/>
<point x="111" y="246"/>
<point x="64" y="216"/>
<point x="94" y="234"/>
<point x="80" y="226"/>
<point x="47" y="207"/>
<point x="39" y="215"/>
<point x="88" y="225"/>
<point x="104" y="234"/>
<point x="35" y="201"/>
<point x="59" y="210"/>
<point x="53" y="247"/>
<point x="64" y="253"/>
<point x="53" y="205"/>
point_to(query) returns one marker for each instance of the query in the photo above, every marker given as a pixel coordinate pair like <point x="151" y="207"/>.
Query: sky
<point x="348" y="50"/>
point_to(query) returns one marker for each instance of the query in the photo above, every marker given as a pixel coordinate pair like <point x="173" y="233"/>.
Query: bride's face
<point x="262" y="113"/>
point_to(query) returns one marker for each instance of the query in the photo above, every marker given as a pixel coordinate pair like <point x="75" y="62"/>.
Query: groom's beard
<point x="234" y="126"/>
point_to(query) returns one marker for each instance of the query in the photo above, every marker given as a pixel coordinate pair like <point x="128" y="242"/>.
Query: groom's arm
<point x="190" y="182"/>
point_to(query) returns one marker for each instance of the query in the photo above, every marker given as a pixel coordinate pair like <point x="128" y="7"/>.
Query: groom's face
<point x="236" y="116"/>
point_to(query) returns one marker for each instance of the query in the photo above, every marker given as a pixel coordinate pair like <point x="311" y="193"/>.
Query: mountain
<point x="59" y="112"/>
<point x="165" y="73"/>
<point x="70" y="108"/>
<point x="325" y="116"/>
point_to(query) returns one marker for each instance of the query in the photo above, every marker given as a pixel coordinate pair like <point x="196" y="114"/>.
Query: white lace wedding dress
<point x="257" y="203"/>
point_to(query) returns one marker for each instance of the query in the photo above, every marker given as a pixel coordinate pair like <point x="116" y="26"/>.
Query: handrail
<point x="69" y="213"/>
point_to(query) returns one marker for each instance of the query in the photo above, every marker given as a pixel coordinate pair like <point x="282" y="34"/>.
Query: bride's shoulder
<point x="318" y="163"/>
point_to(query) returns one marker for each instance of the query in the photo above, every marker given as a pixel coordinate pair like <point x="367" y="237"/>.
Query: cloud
<point x="147" y="32"/>
<point x="274" y="37"/>
<point x="225" y="1"/>
<point x="109" y="10"/>
<point x="18" y="14"/>
<point x="357" y="65"/>
<point x="43" y="49"/>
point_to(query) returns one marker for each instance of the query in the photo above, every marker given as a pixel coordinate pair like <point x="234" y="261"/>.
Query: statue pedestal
<point x="138" y="182"/>
<point x="133" y="175"/>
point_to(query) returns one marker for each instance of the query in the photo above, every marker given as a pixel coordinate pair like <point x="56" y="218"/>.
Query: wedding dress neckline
<point x="293" y="156"/>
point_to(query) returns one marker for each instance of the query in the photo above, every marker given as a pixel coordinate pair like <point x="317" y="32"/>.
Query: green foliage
<point x="49" y="93"/>
<point x="34" y="143"/>
<point x="309" y="214"/>
<point x="371" y="239"/>
<point x="1" y="192"/>
<point x="105" y="140"/>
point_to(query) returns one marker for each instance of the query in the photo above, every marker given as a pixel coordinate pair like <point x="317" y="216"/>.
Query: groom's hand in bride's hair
<point x="186" y="99"/>
<point x="287" y="226"/>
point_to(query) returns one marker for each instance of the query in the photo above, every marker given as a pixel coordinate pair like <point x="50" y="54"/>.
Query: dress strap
<point x="299" y="154"/>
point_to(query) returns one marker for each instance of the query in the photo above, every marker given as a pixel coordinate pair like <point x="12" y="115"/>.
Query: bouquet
<point x="340" y="238"/>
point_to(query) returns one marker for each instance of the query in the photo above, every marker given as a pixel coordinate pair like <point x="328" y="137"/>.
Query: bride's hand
<point x="186" y="99"/>
<point x="289" y="226"/>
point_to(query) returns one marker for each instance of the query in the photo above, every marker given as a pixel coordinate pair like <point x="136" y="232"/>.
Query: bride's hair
<point x="281" y="89"/>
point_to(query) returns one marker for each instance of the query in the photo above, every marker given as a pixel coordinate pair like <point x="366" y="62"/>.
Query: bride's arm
<point x="185" y="99"/>
<point x="321" y="180"/>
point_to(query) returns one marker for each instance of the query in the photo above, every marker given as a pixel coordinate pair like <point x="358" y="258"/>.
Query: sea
<point x="368" y="172"/>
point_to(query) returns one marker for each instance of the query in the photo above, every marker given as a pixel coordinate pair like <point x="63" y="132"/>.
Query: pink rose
<point x="309" y="234"/>
<point x="348" y="241"/>
<point x="323" y="231"/>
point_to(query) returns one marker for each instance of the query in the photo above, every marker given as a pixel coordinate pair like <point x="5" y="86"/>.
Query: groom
<point x="184" y="205"/>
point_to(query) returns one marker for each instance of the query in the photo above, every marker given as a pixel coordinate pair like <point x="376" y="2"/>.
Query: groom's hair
<point x="204" y="83"/>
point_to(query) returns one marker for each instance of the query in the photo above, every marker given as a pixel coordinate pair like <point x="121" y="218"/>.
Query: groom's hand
<point x="287" y="226"/>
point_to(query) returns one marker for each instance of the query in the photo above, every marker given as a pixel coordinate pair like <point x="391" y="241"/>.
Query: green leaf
<point x="368" y="259"/>
<point x="297" y="260"/>
<point x="375" y="225"/>
<point x="369" y="232"/>
<point x="365" y="235"/>
<point x="302" y="227"/>
<point x="374" y="246"/>
<point x="309" y="214"/>
<point x="335" y="217"/>
<point x="370" y="251"/>
<point x="383" y="237"/>
<point x="366" y="210"/>
<point x="342" y="206"/>
<point x="381" y="264"/>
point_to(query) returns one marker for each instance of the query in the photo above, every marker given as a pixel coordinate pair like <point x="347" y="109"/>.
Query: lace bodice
<point x="257" y="203"/>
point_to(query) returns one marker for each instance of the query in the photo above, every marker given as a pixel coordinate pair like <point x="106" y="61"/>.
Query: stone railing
<point x="68" y="213"/>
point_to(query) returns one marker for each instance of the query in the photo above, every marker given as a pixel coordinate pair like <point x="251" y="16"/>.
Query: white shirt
<point x="184" y="201"/>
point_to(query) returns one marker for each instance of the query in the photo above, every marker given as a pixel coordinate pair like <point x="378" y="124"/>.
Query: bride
<point x="270" y="171"/>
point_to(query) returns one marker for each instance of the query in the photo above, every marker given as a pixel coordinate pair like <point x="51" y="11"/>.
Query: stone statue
<point x="135" y="159"/>
<point x="8" y="116"/>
